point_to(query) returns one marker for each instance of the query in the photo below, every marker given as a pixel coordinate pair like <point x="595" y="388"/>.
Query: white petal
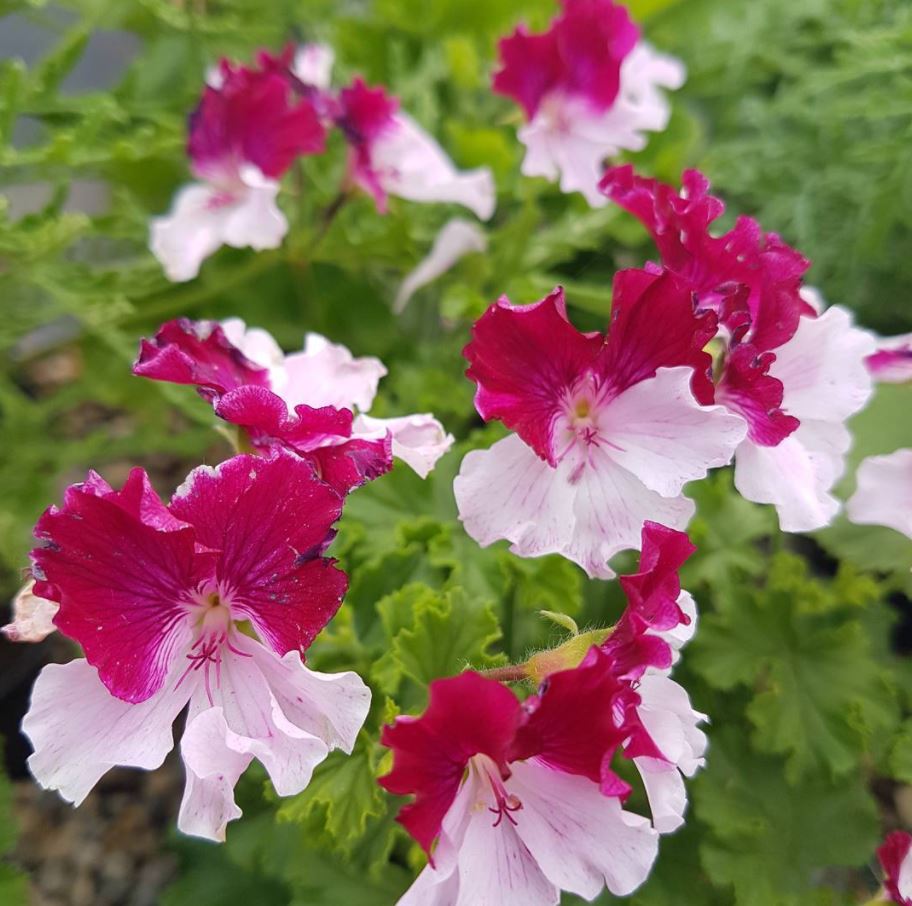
<point x="204" y="217"/>
<point x="456" y="239"/>
<point x="79" y="730"/>
<point x="884" y="493"/>
<point x="313" y="64"/>
<point x="418" y="440"/>
<point x="412" y="165"/>
<point x="327" y="374"/>
<point x="580" y="839"/>
<point x="33" y="616"/>
<point x="683" y="632"/>
<point x="666" y="793"/>
<point x="661" y="434"/>
<point x="586" y="512"/>
<point x="257" y="344"/>
<point x="822" y="367"/>
<point x="904" y="877"/>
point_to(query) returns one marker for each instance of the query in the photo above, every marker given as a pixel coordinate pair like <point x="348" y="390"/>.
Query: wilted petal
<point x="33" y="616"/>
<point x="884" y="493"/>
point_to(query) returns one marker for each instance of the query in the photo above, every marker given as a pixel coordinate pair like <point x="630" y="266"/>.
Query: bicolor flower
<point x="608" y="430"/>
<point x="33" y="616"/>
<point x="390" y="154"/>
<point x="313" y="402"/>
<point x="884" y="492"/>
<point x="892" y="362"/>
<point x="896" y="861"/>
<point x="247" y="130"/>
<point x="516" y="802"/>
<point x="208" y="603"/>
<point x="794" y="374"/>
<point x="589" y="87"/>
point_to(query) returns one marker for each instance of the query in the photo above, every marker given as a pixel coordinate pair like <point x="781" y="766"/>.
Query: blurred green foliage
<point x="800" y="112"/>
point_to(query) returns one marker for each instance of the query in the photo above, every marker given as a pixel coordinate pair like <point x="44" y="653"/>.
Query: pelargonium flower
<point x="892" y="362"/>
<point x="589" y="88"/>
<point x="209" y="602"/>
<point x="608" y="430"/>
<point x="246" y="132"/>
<point x="33" y="616"/>
<point x="897" y="865"/>
<point x="516" y="802"/>
<point x="884" y="492"/>
<point x="392" y="155"/>
<point x="313" y="402"/>
<point x="795" y="377"/>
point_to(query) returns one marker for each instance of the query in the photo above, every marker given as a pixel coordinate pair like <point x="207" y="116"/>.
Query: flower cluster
<point x="520" y="797"/>
<point x="253" y="123"/>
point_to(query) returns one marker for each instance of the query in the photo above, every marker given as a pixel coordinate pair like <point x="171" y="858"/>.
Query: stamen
<point x="506" y="803"/>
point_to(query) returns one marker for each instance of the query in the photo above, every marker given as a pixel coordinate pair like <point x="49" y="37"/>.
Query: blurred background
<point x="799" y="111"/>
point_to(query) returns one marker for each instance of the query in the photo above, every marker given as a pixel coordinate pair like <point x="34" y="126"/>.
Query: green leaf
<point x="818" y="695"/>
<point x="770" y="840"/>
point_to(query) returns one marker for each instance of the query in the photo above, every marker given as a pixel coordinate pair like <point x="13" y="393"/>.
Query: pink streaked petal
<point x="199" y="353"/>
<point x="33" y="616"/>
<point x="748" y="389"/>
<point x="327" y="374"/>
<point x="407" y="162"/>
<point x="581" y="840"/>
<point x="524" y="358"/>
<point x="896" y="862"/>
<point x="892" y="362"/>
<point x="79" y="731"/>
<point x="643" y="300"/>
<point x="430" y="753"/>
<point x="664" y="437"/>
<point x="822" y="367"/>
<point x="418" y="440"/>
<point x="272" y="521"/>
<point x="122" y="583"/>
<point x="586" y="511"/>
<point x="884" y="492"/>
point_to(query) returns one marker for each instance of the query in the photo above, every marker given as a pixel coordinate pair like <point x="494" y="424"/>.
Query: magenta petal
<point x="466" y="715"/>
<point x="524" y="358"/>
<point x="530" y="67"/>
<point x="197" y="352"/>
<point x="121" y="570"/>
<point x="572" y="724"/>
<point x="272" y="521"/>
<point x="891" y="855"/>
<point x="749" y="389"/>
<point x="654" y="324"/>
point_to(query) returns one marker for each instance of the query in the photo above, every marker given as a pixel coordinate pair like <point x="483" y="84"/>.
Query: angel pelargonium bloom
<point x="884" y="492"/>
<point x="660" y="618"/>
<point x="247" y="130"/>
<point x="589" y="88"/>
<point x="517" y="802"/>
<point x="794" y="374"/>
<point x="896" y="860"/>
<point x="314" y="402"/>
<point x="892" y="362"/>
<point x="157" y="597"/>
<point x="608" y="429"/>
<point x="392" y="155"/>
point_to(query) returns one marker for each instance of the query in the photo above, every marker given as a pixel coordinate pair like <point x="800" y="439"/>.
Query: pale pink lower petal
<point x="410" y="164"/>
<point x="80" y="731"/>
<point x="33" y="616"/>
<point x="456" y="239"/>
<point x="660" y="433"/>
<point x="327" y="374"/>
<point x="585" y="510"/>
<point x="313" y="64"/>
<point x="255" y="221"/>
<point x="213" y="767"/>
<point x="418" y="440"/>
<point x="580" y="839"/>
<point x="666" y="793"/>
<point x="884" y="493"/>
